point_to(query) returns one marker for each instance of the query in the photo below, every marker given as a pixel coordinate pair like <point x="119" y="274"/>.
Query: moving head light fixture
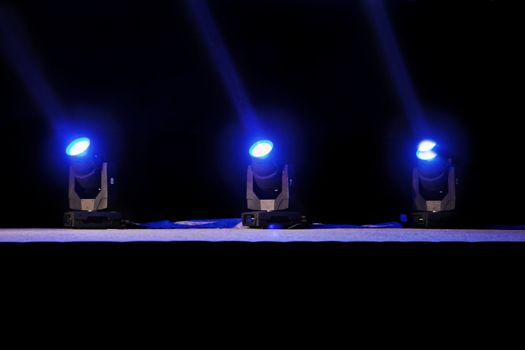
<point x="433" y="188"/>
<point x="89" y="189"/>
<point x="268" y="191"/>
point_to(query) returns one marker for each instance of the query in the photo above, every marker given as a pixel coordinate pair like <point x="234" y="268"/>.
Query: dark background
<point x="138" y="78"/>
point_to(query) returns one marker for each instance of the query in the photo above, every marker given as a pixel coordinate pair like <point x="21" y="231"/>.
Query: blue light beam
<point x="396" y="65"/>
<point x="224" y="64"/>
<point x="17" y="51"/>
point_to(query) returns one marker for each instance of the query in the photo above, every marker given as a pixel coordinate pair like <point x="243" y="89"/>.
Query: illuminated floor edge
<point x="33" y="235"/>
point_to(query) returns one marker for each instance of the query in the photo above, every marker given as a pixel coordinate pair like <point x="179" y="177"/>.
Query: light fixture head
<point x="427" y="150"/>
<point x="78" y="147"/>
<point x="261" y="149"/>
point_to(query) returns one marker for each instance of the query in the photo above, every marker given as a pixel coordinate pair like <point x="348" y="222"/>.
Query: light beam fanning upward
<point x="396" y="65"/>
<point x="224" y="64"/>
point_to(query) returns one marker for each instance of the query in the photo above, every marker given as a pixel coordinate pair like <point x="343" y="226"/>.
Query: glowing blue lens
<point x="261" y="149"/>
<point x="426" y="145"/>
<point x="78" y="147"/>
<point x="425" y="150"/>
<point x="429" y="155"/>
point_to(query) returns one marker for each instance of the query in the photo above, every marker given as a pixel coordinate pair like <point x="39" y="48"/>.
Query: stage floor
<point x="34" y="235"/>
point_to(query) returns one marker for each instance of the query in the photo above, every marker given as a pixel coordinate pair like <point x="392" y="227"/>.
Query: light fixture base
<point x="274" y="219"/>
<point x="429" y="219"/>
<point x="93" y="219"/>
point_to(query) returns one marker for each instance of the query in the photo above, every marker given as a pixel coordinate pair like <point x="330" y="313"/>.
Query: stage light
<point x="268" y="191"/>
<point x="433" y="187"/>
<point x="89" y="189"/>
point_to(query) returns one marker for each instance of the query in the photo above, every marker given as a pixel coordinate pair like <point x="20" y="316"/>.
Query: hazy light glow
<point x="261" y="149"/>
<point x="78" y="147"/>
<point x="425" y="150"/>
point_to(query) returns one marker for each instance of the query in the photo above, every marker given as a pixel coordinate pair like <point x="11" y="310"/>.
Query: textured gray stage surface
<point x="253" y="235"/>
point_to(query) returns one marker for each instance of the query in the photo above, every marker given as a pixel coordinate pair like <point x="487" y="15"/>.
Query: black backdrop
<point x="139" y="77"/>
